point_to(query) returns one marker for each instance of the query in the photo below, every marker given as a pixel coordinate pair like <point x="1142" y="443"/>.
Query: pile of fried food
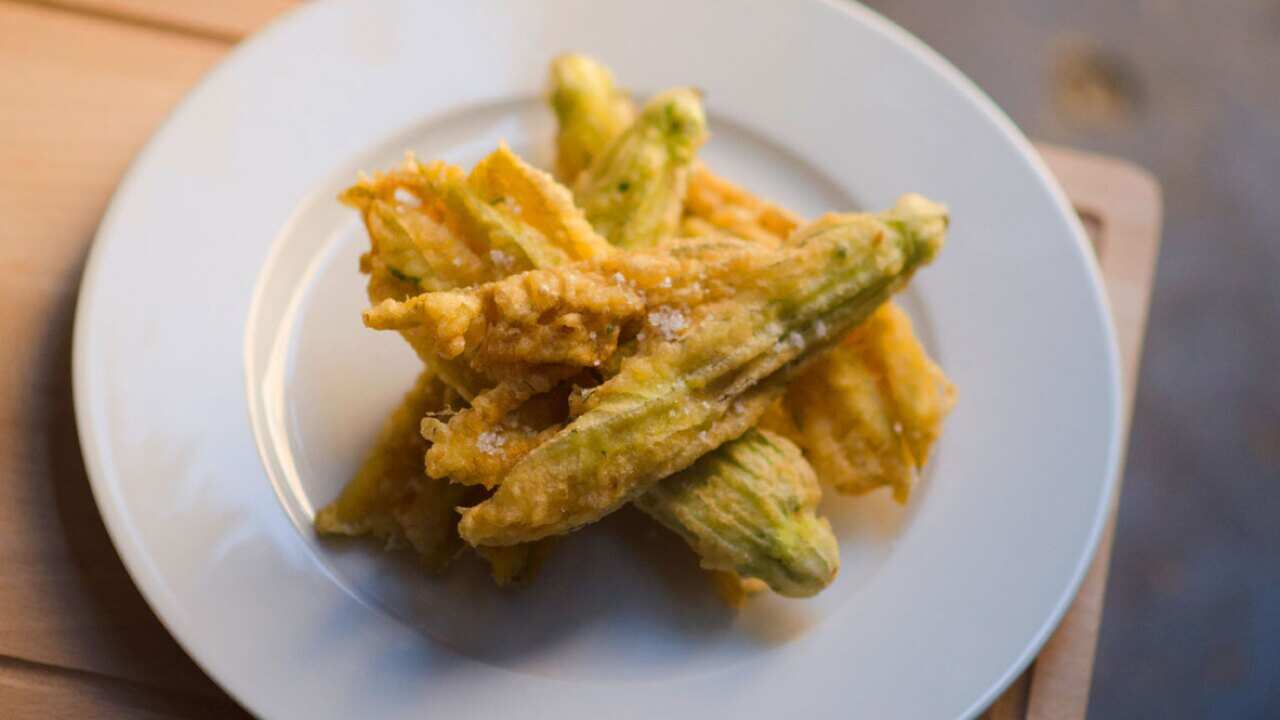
<point x="636" y="330"/>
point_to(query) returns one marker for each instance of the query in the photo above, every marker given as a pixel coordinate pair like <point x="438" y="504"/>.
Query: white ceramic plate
<point x="225" y="388"/>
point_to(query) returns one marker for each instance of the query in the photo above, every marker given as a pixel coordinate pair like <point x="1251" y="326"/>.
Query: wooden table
<point x="83" y="83"/>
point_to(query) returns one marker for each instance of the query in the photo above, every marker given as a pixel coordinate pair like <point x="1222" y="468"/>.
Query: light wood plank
<point x="80" y="96"/>
<point x="223" y="20"/>
<point x="1126" y="201"/>
<point x="33" y="691"/>
<point x="1012" y="705"/>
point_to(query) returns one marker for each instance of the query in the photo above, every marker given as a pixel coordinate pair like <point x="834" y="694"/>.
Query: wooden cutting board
<point x="84" y="83"/>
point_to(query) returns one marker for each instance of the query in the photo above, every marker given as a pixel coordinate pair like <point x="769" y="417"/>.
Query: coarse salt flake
<point x="669" y="322"/>
<point x="404" y="197"/>
<point x="490" y="442"/>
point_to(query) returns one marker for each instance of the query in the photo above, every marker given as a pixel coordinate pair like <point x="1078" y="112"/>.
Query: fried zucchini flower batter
<point x="748" y="507"/>
<point x="628" y="342"/>
<point x="590" y="112"/>
<point x="633" y="192"/>
<point x="390" y="497"/>
<point x="667" y="407"/>
<point x="504" y="323"/>
<point x="717" y="205"/>
<point x="427" y="233"/>
<point x="478" y="445"/>
<point x="868" y="413"/>
<point x="847" y="402"/>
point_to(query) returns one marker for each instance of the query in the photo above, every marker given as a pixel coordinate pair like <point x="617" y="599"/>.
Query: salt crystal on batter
<point x="668" y="322"/>
<point x="500" y="258"/>
<point x="404" y="197"/>
<point x="490" y="442"/>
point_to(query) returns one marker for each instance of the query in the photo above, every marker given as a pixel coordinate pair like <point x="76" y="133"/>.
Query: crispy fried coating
<point x="590" y="112"/>
<point x="390" y="497"/>
<point x="632" y="194"/>
<point x="413" y="249"/>
<point x="576" y="476"/>
<point x="872" y="408"/>
<point x="411" y="232"/>
<point x="516" y="565"/>
<point x="429" y="520"/>
<point x="676" y="400"/>
<point x="596" y="375"/>
<point x="922" y="394"/>
<point x="868" y="412"/>
<point x="436" y="228"/>
<point x="431" y="230"/>
<point x="749" y="507"/>
<point x="714" y="204"/>
<point x="539" y="201"/>
<point x="491" y="222"/>
<point x="687" y="272"/>
<point x="365" y="504"/>
<point x="565" y="316"/>
<point x="477" y="445"/>
<point x="575" y="314"/>
<point x="727" y="212"/>
<point x="734" y="590"/>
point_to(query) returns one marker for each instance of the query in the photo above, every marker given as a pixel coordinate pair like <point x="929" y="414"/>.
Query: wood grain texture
<point x="72" y="122"/>
<point x="65" y="600"/>
<point x="220" y="20"/>
<point x="1124" y="201"/>
<point x="29" y="690"/>
<point x="1012" y="705"/>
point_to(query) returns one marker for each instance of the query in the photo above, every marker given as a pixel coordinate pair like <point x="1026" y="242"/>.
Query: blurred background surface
<point x="1189" y="89"/>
